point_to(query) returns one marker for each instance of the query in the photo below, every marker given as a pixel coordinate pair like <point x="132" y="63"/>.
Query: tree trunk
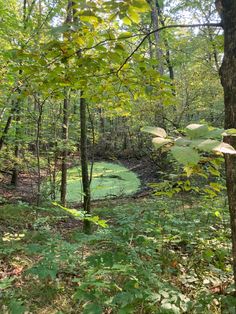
<point x="158" y="53"/>
<point x="65" y="137"/>
<point x="39" y="107"/>
<point x="168" y="59"/>
<point x="228" y="79"/>
<point x="155" y="24"/>
<point x="65" y="151"/>
<point x="86" y="180"/>
<point x="6" y="129"/>
<point x="15" y="170"/>
<point x="84" y="162"/>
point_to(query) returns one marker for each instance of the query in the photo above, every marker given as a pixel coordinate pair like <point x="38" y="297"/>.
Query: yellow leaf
<point x="133" y="15"/>
<point x="127" y="21"/>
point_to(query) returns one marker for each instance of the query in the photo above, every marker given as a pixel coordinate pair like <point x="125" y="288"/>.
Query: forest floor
<point x="155" y="255"/>
<point x="151" y="255"/>
<point x="27" y="186"/>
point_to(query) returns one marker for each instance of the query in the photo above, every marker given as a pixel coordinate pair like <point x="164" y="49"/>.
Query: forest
<point x="117" y="157"/>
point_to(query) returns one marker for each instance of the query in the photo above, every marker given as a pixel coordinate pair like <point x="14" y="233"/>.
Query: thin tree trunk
<point x="228" y="79"/>
<point x="38" y="133"/>
<point x="155" y="24"/>
<point x="15" y="170"/>
<point x="84" y="163"/>
<point x="6" y="128"/>
<point x="86" y="177"/>
<point x="65" y="123"/>
<point x="102" y="121"/>
<point x="214" y="50"/>
<point x="65" y="150"/>
<point x="155" y="18"/>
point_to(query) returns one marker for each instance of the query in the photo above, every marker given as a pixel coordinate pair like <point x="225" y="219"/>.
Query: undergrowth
<point x="155" y="256"/>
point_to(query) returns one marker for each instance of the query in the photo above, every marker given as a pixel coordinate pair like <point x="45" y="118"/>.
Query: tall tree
<point x="227" y="9"/>
<point x="65" y="123"/>
<point x="84" y="162"/>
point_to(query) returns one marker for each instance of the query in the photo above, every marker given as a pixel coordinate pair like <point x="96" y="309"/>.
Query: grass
<point x="109" y="180"/>
<point x="157" y="256"/>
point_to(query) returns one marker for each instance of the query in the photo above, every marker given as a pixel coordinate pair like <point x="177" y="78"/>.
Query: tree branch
<point x="162" y="28"/>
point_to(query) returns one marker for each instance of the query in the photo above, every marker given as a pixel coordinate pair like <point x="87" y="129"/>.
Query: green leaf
<point x="159" y="142"/>
<point x="128" y="309"/>
<point x="185" y="155"/>
<point x="60" y="29"/>
<point x="6" y="282"/>
<point x="93" y="20"/>
<point x="155" y="131"/>
<point x="119" y="47"/>
<point x="16" y="307"/>
<point x="92" y="308"/>
<point x="229" y="132"/>
<point x="48" y="269"/>
<point x="180" y="141"/>
<point x="169" y="308"/>
<point x="124" y="35"/>
<point x="225" y="149"/>
<point x="141" y="5"/>
<point x="208" y="145"/>
<point x="133" y="15"/>
<point x="196" y="130"/>
<point x="215" y="133"/>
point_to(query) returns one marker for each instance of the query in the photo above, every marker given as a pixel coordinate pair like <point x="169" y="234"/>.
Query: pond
<point x="109" y="180"/>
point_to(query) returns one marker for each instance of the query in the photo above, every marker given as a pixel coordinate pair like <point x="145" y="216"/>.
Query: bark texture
<point x="15" y="170"/>
<point x="5" y="131"/>
<point x="228" y="79"/>
<point x="65" y="138"/>
<point x="84" y="162"/>
<point x="155" y="24"/>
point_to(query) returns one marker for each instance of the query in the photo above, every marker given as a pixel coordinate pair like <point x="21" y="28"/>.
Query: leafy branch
<point x="161" y="29"/>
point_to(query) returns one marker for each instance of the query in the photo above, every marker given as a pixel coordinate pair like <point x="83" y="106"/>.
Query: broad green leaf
<point x="185" y="155"/>
<point x="180" y="141"/>
<point x="141" y="5"/>
<point x="160" y="141"/>
<point x="208" y="145"/>
<point x="196" y="130"/>
<point x="16" y="307"/>
<point x="229" y="132"/>
<point x="128" y="309"/>
<point x="6" y="282"/>
<point x="93" y="20"/>
<point x="225" y="149"/>
<point x="215" y="133"/>
<point x="169" y="308"/>
<point x="155" y="131"/>
<point x="217" y="187"/>
<point x="124" y="35"/>
<point x="92" y="308"/>
<point x="60" y="29"/>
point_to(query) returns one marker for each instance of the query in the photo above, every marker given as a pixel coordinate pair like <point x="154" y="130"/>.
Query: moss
<point x="109" y="180"/>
